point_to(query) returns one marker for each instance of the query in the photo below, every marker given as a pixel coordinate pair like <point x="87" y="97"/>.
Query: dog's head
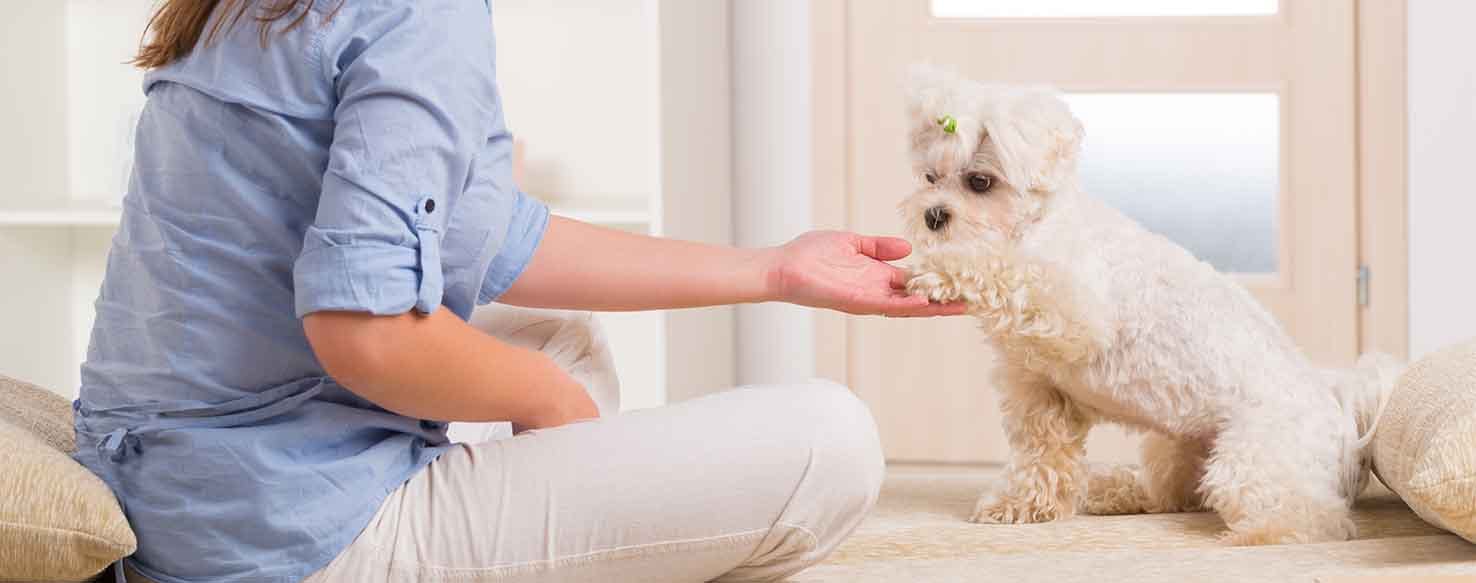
<point x="988" y="159"/>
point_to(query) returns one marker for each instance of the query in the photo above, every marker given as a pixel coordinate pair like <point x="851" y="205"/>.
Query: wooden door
<point x="1187" y="112"/>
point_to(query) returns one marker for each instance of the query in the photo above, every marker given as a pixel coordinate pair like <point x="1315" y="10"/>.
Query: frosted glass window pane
<point x="1198" y="168"/>
<point x="1098" y="8"/>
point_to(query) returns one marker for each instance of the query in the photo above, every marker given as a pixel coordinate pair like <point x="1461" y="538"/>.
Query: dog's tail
<point x="1364" y="392"/>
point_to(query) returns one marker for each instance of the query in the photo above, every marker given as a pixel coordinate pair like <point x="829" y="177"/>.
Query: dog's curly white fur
<point x="1097" y="320"/>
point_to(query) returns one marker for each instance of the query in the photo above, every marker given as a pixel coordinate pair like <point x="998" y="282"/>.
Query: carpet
<point x="918" y="532"/>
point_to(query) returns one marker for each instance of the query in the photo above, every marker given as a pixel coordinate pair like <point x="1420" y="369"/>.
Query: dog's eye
<point x="931" y="178"/>
<point x="980" y="183"/>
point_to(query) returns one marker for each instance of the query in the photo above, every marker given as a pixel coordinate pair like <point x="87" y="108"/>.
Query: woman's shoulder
<point x="357" y="25"/>
<point x="310" y="56"/>
<point x="359" y="12"/>
<point x="421" y="35"/>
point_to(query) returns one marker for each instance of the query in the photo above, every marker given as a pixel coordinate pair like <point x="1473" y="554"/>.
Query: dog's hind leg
<point x="1047" y="435"/>
<point x="1172" y="470"/>
<point x="1168" y="480"/>
<point x="1112" y="490"/>
<point x="1274" y="477"/>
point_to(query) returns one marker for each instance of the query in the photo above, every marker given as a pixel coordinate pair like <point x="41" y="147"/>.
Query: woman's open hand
<point x="578" y="266"/>
<point x="848" y="272"/>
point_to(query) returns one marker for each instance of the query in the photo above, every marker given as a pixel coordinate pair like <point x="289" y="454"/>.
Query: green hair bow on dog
<point x="950" y="125"/>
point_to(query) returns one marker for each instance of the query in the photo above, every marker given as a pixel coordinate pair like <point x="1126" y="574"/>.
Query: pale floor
<point x="918" y="532"/>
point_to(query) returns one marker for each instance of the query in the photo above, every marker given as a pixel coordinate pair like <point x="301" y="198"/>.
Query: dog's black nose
<point x="936" y="217"/>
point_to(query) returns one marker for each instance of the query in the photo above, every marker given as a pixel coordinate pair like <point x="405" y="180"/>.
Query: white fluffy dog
<point x="1097" y="320"/>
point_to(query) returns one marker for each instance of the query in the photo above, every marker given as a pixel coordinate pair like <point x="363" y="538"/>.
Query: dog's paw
<point x="1334" y="527"/>
<point x="992" y="510"/>
<point x="934" y="286"/>
<point x="1113" y="490"/>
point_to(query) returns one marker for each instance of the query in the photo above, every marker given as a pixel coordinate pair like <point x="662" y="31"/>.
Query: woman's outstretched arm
<point x="582" y="266"/>
<point x="438" y="367"/>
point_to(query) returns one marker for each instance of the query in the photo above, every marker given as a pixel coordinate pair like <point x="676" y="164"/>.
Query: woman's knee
<point x="844" y="430"/>
<point x="840" y="483"/>
<point x="822" y="430"/>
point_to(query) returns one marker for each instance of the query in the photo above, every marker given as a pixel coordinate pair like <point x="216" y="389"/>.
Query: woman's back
<point x="272" y="181"/>
<point x="214" y="220"/>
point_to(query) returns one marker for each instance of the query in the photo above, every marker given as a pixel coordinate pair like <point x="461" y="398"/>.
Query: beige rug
<point x="918" y="533"/>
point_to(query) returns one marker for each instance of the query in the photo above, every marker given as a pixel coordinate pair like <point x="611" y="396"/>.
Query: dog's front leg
<point x="1046" y="472"/>
<point x="1026" y="302"/>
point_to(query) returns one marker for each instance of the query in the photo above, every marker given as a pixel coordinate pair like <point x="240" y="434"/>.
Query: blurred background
<point x="1317" y="148"/>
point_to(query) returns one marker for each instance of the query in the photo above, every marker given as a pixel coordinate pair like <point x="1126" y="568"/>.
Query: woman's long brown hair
<point x="176" y="27"/>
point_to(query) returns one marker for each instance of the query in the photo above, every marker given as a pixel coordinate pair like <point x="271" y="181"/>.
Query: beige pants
<point x="752" y="484"/>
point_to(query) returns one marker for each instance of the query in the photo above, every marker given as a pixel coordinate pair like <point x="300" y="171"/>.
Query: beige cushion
<point x="1425" y="448"/>
<point x="58" y="522"/>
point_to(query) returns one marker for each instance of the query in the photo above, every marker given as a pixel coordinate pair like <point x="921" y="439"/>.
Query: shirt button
<point x="430" y="205"/>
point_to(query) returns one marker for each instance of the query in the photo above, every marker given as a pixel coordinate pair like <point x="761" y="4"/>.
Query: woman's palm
<point x="848" y="272"/>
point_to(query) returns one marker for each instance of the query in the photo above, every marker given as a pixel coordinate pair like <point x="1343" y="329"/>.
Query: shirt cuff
<point x="377" y="278"/>
<point x="524" y="233"/>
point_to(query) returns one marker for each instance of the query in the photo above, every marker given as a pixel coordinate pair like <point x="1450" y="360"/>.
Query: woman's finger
<point x="881" y="303"/>
<point x="885" y="248"/>
<point x="929" y="310"/>
<point x="904" y="306"/>
<point x="921" y="306"/>
<point x="898" y="277"/>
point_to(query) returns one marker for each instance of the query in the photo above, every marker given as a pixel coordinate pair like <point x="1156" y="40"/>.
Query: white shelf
<point x="77" y="213"/>
<point x="104" y="214"/>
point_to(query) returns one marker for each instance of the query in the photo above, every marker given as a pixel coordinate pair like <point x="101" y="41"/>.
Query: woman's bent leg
<point x="752" y="484"/>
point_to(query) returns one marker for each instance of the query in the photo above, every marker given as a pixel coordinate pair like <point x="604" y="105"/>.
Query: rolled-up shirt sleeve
<point x="529" y="221"/>
<point x="415" y="86"/>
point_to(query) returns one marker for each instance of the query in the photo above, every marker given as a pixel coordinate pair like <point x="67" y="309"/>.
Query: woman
<point x="321" y="196"/>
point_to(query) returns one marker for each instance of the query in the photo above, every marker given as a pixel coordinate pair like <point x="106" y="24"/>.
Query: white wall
<point x="32" y="112"/>
<point x="696" y="179"/>
<point x="101" y="36"/>
<point x="771" y="176"/>
<point x="579" y="82"/>
<point x="1442" y="189"/>
<point x="35" y="263"/>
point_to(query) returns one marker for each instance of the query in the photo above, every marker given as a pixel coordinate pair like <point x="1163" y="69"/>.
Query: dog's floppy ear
<point x="1037" y="139"/>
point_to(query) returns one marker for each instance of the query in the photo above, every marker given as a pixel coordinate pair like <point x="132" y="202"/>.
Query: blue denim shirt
<point x="358" y="162"/>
